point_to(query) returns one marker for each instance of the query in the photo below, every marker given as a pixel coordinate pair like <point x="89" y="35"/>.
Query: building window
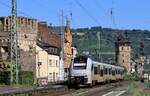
<point x="53" y="62"/>
<point x="55" y="50"/>
<point x="122" y="48"/>
<point x="50" y="62"/>
<point x="50" y="76"/>
<point x="56" y="63"/>
<point x="57" y="76"/>
<point x="54" y="76"/>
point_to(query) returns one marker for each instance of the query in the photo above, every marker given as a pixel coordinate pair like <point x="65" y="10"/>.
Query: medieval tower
<point x="67" y="46"/>
<point x="123" y="52"/>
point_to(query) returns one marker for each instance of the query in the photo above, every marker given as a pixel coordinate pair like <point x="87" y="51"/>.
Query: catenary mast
<point x="14" y="43"/>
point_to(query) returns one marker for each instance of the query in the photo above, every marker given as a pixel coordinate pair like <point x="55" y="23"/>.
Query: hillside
<point x="86" y="40"/>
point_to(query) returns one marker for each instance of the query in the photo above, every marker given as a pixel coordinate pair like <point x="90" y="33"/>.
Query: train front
<point x="79" y="71"/>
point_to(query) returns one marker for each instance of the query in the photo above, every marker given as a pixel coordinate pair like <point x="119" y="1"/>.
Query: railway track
<point x="64" y="91"/>
<point x="98" y="90"/>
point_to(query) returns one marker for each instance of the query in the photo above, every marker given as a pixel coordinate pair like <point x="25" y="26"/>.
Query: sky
<point x="126" y="14"/>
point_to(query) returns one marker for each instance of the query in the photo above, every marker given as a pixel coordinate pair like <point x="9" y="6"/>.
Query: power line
<point x="19" y="11"/>
<point x="86" y="11"/>
<point x="112" y="14"/>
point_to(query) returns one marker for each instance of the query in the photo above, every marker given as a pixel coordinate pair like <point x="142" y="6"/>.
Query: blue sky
<point x="128" y="14"/>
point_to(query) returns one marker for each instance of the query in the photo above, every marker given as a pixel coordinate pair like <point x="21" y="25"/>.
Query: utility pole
<point x="14" y="43"/>
<point x="62" y="47"/>
<point x="99" y="47"/>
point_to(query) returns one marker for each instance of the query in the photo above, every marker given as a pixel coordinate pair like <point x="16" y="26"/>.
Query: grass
<point x="141" y="94"/>
<point x="132" y="85"/>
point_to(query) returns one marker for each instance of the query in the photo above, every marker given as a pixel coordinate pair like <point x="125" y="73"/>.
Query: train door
<point x="92" y="72"/>
<point x="99" y="73"/>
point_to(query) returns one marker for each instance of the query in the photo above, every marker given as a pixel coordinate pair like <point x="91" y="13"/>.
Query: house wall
<point x="53" y="68"/>
<point x="41" y="66"/>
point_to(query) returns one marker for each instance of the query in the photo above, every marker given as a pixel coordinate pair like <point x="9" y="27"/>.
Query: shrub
<point x="26" y="78"/>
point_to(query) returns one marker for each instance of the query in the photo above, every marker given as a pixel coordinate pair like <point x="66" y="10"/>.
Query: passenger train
<point x="85" y="71"/>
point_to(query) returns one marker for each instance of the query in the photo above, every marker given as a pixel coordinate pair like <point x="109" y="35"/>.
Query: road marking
<point x="114" y="93"/>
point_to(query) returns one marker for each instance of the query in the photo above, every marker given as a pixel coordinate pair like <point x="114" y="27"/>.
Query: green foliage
<point x="89" y="41"/>
<point x="147" y="84"/>
<point x="131" y="77"/>
<point x="5" y="78"/>
<point x="132" y="85"/>
<point x="126" y="77"/>
<point x="26" y="78"/>
<point x="141" y="94"/>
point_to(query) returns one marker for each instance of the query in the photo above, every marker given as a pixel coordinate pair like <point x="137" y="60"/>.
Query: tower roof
<point x="123" y="38"/>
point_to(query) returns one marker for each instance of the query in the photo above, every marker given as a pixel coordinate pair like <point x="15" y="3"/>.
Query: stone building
<point x="123" y="52"/>
<point x="27" y="35"/>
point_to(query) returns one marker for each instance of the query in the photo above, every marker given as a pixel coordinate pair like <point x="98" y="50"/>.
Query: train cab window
<point x="95" y="70"/>
<point x="81" y="59"/>
<point x="80" y="63"/>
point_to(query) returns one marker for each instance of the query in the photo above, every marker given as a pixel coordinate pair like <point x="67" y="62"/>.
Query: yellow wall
<point x="53" y="68"/>
<point x="41" y="56"/>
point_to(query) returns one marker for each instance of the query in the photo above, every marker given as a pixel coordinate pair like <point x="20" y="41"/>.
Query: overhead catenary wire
<point x="19" y="11"/>
<point x="96" y="21"/>
<point x="112" y="14"/>
<point x="87" y="12"/>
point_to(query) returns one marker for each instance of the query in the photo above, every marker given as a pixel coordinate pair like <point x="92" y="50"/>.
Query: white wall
<point x="53" y="68"/>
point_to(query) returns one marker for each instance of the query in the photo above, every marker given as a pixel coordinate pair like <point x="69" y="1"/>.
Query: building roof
<point x="123" y="39"/>
<point x="50" y="49"/>
<point x="20" y="17"/>
<point x="48" y="35"/>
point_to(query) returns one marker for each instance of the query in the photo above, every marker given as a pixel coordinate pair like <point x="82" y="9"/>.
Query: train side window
<point x="118" y="71"/>
<point x="105" y="70"/>
<point x="110" y="71"/>
<point x="102" y="72"/>
<point x="99" y="70"/>
<point x="92" y="68"/>
<point x="95" y="70"/>
<point x="113" y="72"/>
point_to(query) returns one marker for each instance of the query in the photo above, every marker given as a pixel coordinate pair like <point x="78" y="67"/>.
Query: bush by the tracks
<point x="26" y="78"/>
<point x="131" y="77"/>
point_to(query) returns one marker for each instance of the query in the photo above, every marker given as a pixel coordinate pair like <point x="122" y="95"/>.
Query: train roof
<point x="108" y="65"/>
<point x="101" y="63"/>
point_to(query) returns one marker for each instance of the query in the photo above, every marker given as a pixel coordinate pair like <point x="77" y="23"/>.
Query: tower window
<point x="123" y="61"/>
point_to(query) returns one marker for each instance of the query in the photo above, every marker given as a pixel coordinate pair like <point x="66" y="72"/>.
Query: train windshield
<point x="80" y="63"/>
